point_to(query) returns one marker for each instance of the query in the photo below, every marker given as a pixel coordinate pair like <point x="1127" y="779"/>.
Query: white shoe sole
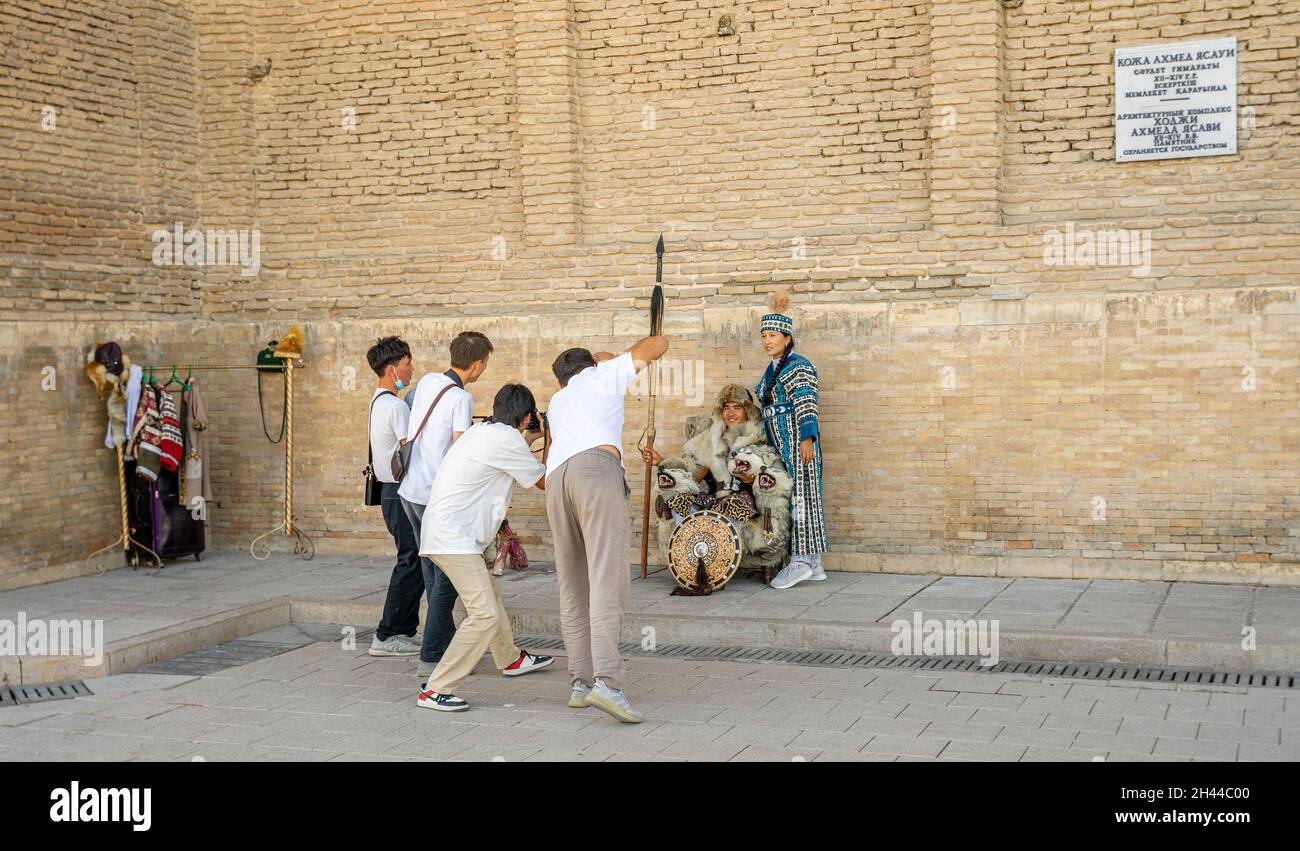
<point x="437" y="707"/>
<point x="537" y="667"/>
<point x="791" y="583"/>
<point x="374" y="652"/>
<point x="578" y="702"/>
<point x="612" y="709"/>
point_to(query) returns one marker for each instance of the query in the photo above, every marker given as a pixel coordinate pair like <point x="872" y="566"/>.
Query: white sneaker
<point x="396" y="645"/>
<point x="818" y="574"/>
<point x="578" y="697"/>
<point x="527" y="663"/>
<point x="440" y="702"/>
<point x="794" y="573"/>
<point x="613" y="701"/>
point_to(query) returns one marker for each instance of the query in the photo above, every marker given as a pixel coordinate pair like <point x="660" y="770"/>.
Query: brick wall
<point x="425" y="168"/>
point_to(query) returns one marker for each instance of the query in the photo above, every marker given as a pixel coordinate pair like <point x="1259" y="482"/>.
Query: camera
<point x="536" y="421"/>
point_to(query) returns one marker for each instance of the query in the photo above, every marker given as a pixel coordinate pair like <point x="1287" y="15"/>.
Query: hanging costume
<point x="788" y="394"/>
<point x="197" y="481"/>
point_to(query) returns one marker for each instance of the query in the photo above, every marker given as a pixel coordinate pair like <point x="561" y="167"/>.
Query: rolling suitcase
<point x="158" y="518"/>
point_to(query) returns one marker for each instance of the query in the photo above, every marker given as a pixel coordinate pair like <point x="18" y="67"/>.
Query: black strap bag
<point x="374" y="489"/>
<point x="402" y="457"/>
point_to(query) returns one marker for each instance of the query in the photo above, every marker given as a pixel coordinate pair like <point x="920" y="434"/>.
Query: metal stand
<point x="260" y="548"/>
<point x="124" y="539"/>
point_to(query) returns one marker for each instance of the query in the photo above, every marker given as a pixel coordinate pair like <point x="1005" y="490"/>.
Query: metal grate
<point x="18" y="695"/>
<point x="967" y="664"/>
<point x="241" y="651"/>
<point x="220" y="657"/>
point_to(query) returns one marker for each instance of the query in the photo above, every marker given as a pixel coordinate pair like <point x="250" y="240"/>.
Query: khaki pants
<point x="486" y="625"/>
<point x="586" y="503"/>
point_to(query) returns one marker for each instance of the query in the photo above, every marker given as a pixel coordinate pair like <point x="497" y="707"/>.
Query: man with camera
<point x="468" y="500"/>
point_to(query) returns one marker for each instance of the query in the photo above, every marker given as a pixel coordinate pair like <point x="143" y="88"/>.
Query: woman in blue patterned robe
<point x="787" y="395"/>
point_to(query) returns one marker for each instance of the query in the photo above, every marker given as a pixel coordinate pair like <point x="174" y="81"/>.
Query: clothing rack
<point x="260" y="547"/>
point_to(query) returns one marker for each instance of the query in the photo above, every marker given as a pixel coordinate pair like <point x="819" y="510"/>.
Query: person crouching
<point x="469" y="499"/>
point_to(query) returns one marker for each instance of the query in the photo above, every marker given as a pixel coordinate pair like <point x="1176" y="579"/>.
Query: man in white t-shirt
<point x="466" y="506"/>
<point x="587" y="506"/>
<point x="390" y="358"/>
<point x="440" y="414"/>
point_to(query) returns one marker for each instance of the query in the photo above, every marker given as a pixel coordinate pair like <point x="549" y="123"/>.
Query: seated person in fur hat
<point x="736" y="422"/>
<point x="709" y="457"/>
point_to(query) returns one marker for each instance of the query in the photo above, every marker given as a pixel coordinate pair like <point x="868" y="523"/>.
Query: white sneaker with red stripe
<point x="441" y="702"/>
<point x="527" y="663"/>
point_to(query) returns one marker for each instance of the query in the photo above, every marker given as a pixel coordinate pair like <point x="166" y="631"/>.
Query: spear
<point x="656" y="328"/>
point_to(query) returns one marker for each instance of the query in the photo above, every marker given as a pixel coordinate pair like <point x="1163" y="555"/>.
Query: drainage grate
<point x="967" y="664"/>
<point x="18" y="695"/>
<point x="241" y="651"/>
<point x="221" y="657"/>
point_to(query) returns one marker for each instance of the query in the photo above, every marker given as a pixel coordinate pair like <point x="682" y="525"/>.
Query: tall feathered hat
<point x="776" y="318"/>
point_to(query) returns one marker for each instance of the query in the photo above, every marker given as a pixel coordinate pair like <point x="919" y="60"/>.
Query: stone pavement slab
<point x="187" y="605"/>
<point x="174" y="717"/>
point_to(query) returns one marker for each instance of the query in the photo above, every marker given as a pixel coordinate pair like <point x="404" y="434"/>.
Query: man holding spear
<point x="587" y="506"/>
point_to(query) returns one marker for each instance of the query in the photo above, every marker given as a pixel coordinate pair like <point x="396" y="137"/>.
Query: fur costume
<point x="677" y="491"/>
<point x="711" y="446"/>
<point x="723" y="451"/>
<point x="767" y="539"/>
<point x="115" y="386"/>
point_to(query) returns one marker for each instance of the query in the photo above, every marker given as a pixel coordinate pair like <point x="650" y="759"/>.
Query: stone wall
<point x="427" y="168"/>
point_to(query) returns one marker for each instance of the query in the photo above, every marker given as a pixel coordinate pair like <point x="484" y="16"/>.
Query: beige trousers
<point x="486" y="625"/>
<point x="586" y="503"/>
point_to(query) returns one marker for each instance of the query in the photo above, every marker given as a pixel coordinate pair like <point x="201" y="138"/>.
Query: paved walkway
<point x="327" y="701"/>
<point x="1058" y="619"/>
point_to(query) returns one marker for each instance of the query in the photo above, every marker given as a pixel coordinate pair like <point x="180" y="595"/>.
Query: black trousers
<point x="402" y="605"/>
<point x="439" y="627"/>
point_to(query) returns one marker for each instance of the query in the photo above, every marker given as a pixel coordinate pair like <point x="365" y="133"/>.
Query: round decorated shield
<point x="705" y="535"/>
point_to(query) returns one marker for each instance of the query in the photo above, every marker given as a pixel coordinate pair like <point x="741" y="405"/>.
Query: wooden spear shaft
<point x="656" y="328"/>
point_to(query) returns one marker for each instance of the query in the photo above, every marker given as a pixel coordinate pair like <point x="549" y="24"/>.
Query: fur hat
<point x="100" y="372"/>
<point x="743" y="395"/>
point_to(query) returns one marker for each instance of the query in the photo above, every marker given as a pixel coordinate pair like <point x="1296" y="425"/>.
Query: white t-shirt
<point x="388" y="418"/>
<point x="588" y="411"/>
<point x="454" y="413"/>
<point x="472" y="492"/>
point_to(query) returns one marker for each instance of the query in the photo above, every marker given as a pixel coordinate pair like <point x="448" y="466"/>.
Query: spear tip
<point x="659" y="247"/>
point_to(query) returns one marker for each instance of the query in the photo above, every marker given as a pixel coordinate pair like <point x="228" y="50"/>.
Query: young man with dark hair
<point x="466" y="505"/>
<point x="447" y="420"/>
<point x="587" y="505"/>
<point x="390" y="359"/>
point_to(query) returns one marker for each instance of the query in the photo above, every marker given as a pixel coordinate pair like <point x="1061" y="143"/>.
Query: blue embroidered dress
<point x="790" y="417"/>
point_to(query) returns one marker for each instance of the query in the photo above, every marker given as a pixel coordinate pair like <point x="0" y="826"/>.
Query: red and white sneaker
<point x="527" y="663"/>
<point x="441" y="702"/>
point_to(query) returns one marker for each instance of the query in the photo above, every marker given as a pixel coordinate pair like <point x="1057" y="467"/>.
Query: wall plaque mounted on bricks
<point x="1176" y="100"/>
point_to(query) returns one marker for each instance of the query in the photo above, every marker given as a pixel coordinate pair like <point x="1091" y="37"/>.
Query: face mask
<point x="401" y="385"/>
